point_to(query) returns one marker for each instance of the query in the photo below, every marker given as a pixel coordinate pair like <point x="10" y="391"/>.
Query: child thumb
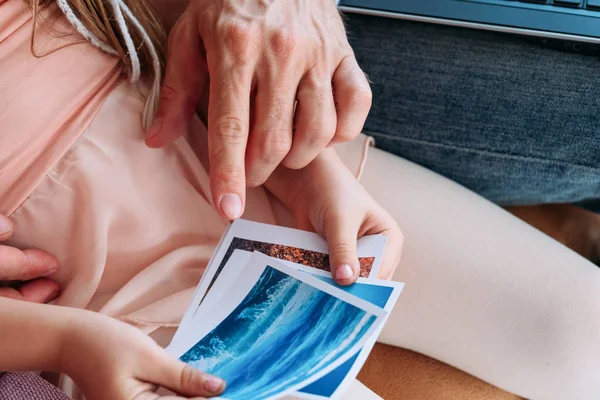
<point x="341" y="238"/>
<point x="185" y="380"/>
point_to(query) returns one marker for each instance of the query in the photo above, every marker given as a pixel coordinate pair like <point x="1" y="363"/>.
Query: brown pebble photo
<point x="308" y="258"/>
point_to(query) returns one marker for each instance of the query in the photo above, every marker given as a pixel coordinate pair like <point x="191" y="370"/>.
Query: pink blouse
<point x="132" y="227"/>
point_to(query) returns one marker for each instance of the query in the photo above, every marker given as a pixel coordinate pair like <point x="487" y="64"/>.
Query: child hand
<point x="109" y="359"/>
<point x="327" y="198"/>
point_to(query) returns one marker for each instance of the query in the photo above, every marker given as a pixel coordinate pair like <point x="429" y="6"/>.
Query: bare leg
<point x="486" y="292"/>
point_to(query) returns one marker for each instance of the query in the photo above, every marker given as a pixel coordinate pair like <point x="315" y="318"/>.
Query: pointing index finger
<point x="228" y="124"/>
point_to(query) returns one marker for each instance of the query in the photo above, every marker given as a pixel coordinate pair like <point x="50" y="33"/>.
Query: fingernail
<point x="344" y="272"/>
<point x="50" y="272"/>
<point x="5" y="226"/>
<point x="213" y="384"/>
<point x="231" y="205"/>
<point x="154" y="129"/>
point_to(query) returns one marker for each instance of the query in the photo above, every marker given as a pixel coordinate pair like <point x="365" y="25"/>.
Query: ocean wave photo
<point x="283" y="332"/>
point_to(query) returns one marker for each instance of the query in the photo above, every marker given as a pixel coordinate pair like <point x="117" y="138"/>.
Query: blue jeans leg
<point x="508" y="118"/>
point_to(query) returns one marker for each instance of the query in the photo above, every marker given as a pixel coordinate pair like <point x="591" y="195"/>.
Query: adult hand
<point x="30" y="266"/>
<point x="284" y="83"/>
<point x="325" y="197"/>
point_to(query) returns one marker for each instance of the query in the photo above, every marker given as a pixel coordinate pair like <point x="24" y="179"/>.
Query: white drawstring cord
<point x="153" y="96"/>
<point x="131" y="50"/>
<point x="119" y="7"/>
<point x="83" y="31"/>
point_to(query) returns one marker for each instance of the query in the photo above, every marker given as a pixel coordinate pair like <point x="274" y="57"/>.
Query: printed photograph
<point x="307" y="258"/>
<point x="282" y="335"/>
<point x="328" y="385"/>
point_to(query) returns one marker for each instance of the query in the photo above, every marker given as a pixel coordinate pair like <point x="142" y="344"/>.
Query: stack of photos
<point x="271" y="324"/>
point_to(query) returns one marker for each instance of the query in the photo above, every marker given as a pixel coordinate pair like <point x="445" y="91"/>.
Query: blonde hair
<point x="128" y="29"/>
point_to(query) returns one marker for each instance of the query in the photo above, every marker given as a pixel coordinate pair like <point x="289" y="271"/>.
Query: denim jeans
<point x="510" y="119"/>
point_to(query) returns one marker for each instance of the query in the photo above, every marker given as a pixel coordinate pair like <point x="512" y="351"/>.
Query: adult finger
<point x="315" y="119"/>
<point x="185" y="76"/>
<point x="10" y="293"/>
<point x="353" y="99"/>
<point x="228" y="121"/>
<point x="181" y="378"/>
<point x="341" y="234"/>
<point x="6" y="228"/>
<point x="36" y="291"/>
<point x="39" y="290"/>
<point x="271" y="136"/>
<point x="17" y="265"/>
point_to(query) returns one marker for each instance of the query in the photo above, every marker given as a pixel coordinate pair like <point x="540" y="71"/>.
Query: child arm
<point x="31" y="335"/>
<point x="106" y="358"/>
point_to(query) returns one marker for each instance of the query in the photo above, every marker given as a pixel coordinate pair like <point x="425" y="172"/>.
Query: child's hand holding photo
<point x="106" y="358"/>
<point x="326" y="198"/>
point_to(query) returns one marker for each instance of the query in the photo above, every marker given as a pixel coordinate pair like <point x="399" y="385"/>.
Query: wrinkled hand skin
<point x="283" y="84"/>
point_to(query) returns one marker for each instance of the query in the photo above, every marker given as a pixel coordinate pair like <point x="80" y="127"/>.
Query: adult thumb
<point x="185" y="77"/>
<point x="341" y="238"/>
<point x="183" y="379"/>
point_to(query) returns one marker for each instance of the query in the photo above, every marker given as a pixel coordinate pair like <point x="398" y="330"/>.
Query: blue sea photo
<point x="285" y="332"/>
<point x="375" y="294"/>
